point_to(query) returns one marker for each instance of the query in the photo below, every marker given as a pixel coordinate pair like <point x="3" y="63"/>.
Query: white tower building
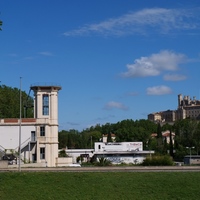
<point x="46" y="114"/>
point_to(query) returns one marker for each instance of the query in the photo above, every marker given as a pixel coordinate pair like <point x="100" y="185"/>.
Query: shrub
<point x="158" y="161"/>
<point x="79" y="158"/>
<point x="62" y="153"/>
<point x="86" y="164"/>
<point x="103" y="162"/>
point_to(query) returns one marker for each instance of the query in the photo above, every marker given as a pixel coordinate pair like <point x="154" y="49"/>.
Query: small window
<point x="42" y="153"/>
<point x="99" y="146"/>
<point x="45" y="109"/>
<point x="42" y="130"/>
<point x="33" y="139"/>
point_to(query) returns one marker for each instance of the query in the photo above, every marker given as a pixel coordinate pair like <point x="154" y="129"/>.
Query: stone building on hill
<point x="187" y="108"/>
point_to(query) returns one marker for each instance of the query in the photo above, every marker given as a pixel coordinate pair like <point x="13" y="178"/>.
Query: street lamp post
<point x="20" y="121"/>
<point x="190" y="152"/>
<point x="91" y="141"/>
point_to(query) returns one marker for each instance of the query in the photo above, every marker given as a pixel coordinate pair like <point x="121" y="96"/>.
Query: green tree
<point x="160" y="145"/>
<point x="10" y="103"/>
<point x="89" y="137"/>
<point x="197" y="138"/>
<point x="94" y="136"/>
<point x="62" y="153"/>
<point x="166" y="127"/>
<point x="186" y="131"/>
<point x="63" y="139"/>
<point x="109" y="137"/>
<point x="187" y="135"/>
<point x="159" y="131"/>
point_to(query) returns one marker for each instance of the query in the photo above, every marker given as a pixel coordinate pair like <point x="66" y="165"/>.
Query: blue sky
<point x="115" y="60"/>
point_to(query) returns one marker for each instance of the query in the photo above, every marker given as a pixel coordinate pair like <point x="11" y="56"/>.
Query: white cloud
<point x="112" y="104"/>
<point x="46" y="53"/>
<point x="158" y="90"/>
<point x="157" y="19"/>
<point x="155" y="64"/>
<point x="174" y="77"/>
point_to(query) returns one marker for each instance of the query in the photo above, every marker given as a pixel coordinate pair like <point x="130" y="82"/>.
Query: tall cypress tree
<point x="171" y="148"/>
<point x="159" y="131"/>
<point x="160" y="146"/>
<point x="109" y="137"/>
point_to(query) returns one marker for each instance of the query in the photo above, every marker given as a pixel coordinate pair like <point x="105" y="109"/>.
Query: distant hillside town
<point x="187" y="108"/>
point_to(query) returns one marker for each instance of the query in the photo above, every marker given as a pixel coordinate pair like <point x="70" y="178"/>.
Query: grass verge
<point x="99" y="185"/>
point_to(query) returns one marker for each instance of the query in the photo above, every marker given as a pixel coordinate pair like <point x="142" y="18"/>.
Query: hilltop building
<point x="187" y="108"/>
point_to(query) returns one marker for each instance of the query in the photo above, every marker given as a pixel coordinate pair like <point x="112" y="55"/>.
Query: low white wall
<point x="127" y="160"/>
<point x="74" y="153"/>
<point x="3" y="164"/>
<point x="28" y="165"/>
<point x="63" y="161"/>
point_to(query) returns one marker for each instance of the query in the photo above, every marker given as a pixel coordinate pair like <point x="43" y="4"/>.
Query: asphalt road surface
<point x="106" y="169"/>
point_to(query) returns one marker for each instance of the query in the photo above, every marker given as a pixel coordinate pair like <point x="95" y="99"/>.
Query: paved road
<point x="107" y="169"/>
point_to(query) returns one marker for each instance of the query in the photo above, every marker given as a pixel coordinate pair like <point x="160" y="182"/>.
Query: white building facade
<point x="122" y="152"/>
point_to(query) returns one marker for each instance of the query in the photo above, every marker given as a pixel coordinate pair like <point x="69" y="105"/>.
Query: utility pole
<point x="190" y="152"/>
<point x="20" y="121"/>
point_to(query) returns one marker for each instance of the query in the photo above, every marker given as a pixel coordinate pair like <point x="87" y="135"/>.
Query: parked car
<point x="12" y="159"/>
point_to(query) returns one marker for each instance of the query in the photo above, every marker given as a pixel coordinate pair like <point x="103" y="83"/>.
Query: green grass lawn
<point x="99" y="185"/>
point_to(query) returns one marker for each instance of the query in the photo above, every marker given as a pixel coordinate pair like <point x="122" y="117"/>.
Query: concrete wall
<point x="3" y="164"/>
<point x="74" y="153"/>
<point x="125" y="159"/>
<point x="9" y="135"/>
<point x="62" y="162"/>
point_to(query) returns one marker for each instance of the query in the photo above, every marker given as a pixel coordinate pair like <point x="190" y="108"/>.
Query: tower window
<point x="42" y="131"/>
<point x="45" y="104"/>
<point x="42" y="153"/>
